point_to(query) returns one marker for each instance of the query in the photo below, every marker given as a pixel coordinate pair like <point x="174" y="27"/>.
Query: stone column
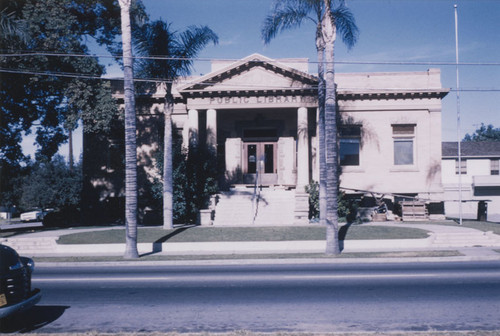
<point x="315" y="151"/>
<point x="212" y="130"/>
<point x="193" y="128"/>
<point x="233" y="160"/>
<point x="302" y="149"/>
<point x="301" y="197"/>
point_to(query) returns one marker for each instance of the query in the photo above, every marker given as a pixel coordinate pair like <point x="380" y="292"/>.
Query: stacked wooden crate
<point x="414" y="211"/>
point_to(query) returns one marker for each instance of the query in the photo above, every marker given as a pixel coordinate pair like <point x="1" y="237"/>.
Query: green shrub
<point x="313" y="190"/>
<point x="51" y="185"/>
<point x="346" y="210"/>
<point x="194" y="181"/>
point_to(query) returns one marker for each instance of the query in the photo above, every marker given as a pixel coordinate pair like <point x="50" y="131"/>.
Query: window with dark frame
<point x="349" y="145"/>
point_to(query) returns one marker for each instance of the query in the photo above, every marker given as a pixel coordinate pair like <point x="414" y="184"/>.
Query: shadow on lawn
<point x="157" y="245"/>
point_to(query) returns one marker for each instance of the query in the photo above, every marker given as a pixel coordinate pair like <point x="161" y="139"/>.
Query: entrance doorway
<point x="260" y="163"/>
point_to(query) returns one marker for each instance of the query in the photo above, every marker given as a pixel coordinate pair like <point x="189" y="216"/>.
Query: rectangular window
<point x="349" y="145"/>
<point x="495" y="167"/>
<point x="463" y="166"/>
<point x="404" y="149"/>
<point x="268" y="158"/>
<point x="252" y="159"/>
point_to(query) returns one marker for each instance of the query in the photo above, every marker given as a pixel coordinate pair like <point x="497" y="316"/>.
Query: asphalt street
<point x="309" y="298"/>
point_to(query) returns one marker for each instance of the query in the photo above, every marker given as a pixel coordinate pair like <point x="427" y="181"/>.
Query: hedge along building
<point x="259" y="118"/>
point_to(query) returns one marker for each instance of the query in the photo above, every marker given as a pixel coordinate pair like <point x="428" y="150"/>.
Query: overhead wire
<point x="221" y="85"/>
<point x="208" y="59"/>
<point x="165" y="80"/>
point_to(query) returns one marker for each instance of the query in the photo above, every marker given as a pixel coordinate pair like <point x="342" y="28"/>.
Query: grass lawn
<point x="215" y="234"/>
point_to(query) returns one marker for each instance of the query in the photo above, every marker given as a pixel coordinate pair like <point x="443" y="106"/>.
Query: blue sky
<point x="390" y="31"/>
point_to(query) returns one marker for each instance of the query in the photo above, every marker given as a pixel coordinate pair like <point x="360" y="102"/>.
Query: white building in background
<point x="480" y="179"/>
<point x="259" y="116"/>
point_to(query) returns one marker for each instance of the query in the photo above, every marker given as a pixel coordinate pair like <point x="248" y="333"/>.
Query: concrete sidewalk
<point x="471" y="243"/>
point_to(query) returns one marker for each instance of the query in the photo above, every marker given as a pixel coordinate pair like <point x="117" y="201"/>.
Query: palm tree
<point x="130" y="139"/>
<point x="339" y="18"/>
<point x="175" y="54"/>
<point x="291" y="14"/>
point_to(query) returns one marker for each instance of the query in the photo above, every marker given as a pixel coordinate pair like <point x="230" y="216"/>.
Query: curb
<point x="45" y="245"/>
<point x="270" y="261"/>
<point x="266" y="247"/>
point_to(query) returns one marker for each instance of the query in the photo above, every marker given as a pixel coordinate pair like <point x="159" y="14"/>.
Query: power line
<point x="199" y="59"/>
<point x="250" y="87"/>
<point x="76" y="75"/>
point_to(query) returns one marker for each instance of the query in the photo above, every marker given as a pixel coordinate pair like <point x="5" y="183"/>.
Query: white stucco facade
<point x="380" y="103"/>
<point x="259" y="115"/>
<point x="276" y="102"/>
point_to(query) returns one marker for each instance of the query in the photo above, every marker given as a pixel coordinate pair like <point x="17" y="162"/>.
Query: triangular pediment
<point x="253" y="73"/>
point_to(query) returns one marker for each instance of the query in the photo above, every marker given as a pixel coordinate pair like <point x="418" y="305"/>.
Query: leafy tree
<point x="41" y="88"/>
<point x="328" y="16"/>
<point x="194" y="180"/>
<point x="175" y="52"/>
<point x="10" y="182"/>
<point x="484" y="133"/>
<point x="51" y="185"/>
<point x="10" y="25"/>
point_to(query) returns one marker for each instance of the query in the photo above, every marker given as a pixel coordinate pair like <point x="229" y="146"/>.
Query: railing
<point x="256" y="192"/>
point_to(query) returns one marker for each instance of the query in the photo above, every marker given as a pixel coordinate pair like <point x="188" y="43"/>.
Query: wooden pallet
<point x="414" y="211"/>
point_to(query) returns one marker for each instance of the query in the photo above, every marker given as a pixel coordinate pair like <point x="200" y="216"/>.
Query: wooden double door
<point x="260" y="162"/>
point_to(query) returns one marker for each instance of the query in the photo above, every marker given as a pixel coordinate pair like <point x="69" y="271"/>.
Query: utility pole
<point x="458" y="122"/>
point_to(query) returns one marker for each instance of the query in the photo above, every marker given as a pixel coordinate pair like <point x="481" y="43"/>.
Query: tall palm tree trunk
<point x="130" y="136"/>
<point x="329" y="34"/>
<point x="167" y="161"/>
<point x="320" y="48"/>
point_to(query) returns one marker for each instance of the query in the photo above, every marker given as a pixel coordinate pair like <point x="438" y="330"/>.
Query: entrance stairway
<point x="30" y="246"/>
<point x="247" y="207"/>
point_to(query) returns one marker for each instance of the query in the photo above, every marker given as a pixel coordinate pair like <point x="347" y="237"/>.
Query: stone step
<point x="251" y="205"/>
<point x="239" y="207"/>
<point x="249" y="215"/>
<point x="251" y="211"/>
<point x="28" y="245"/>
<point x="262" y="201"/>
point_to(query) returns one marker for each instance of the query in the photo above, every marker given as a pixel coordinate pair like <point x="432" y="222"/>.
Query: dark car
<point x="15" y="283"/>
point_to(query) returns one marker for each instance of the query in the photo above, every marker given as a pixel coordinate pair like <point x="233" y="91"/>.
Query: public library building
<point x="259" y="118"/>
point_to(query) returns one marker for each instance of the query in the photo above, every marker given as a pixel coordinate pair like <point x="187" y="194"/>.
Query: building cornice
<point x="391" y="94"/>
